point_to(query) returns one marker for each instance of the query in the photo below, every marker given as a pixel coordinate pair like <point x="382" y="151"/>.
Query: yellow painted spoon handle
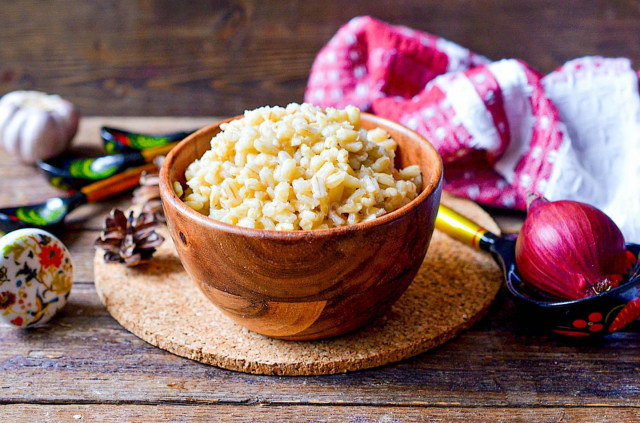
<point x="463" y="229"/>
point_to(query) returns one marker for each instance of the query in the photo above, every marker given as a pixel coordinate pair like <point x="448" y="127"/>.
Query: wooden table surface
<point x="83" y="366"/>
<point x="215" y="57"/>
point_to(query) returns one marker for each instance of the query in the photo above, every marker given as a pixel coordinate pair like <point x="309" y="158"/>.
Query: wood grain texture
<point x="305" y="285"/>
<point x="338" y="414"/>
<point x="83" y="363"/>
<point x="217" y="57"/>
<point x="454" y="287"/>
<point x="84" y="356"/>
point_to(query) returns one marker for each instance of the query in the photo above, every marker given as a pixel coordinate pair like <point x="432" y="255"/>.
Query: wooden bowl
<point x="305" y="285"/>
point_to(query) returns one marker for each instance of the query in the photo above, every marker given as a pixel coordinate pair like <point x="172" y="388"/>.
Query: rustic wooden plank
<point x="85" y="356"/>
<point x="161" y="57"/>
<point x="259" y="412"/>
<point x="80" y="245"/>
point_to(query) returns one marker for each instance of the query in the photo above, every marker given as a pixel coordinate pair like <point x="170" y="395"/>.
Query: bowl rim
<point x="429" y="188"/>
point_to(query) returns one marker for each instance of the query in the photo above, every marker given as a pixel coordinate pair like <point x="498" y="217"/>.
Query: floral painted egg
<point x="36" y="275"/>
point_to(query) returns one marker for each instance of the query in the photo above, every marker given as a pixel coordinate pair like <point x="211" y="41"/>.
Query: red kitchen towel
<point x="501" y="127"/>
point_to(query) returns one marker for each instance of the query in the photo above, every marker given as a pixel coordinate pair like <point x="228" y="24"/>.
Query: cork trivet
<point x="159" y="303"/>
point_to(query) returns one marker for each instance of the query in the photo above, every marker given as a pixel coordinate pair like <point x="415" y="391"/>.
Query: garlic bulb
<point x="35" y="125"/>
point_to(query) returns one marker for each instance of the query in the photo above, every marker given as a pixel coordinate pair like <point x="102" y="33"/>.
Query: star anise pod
<point x="130" y="240"/>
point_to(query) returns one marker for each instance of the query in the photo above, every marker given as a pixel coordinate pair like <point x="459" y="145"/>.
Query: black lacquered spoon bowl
<point x="121" y="141"/>
<point x="50" y="215"/>
<point x="596" y="315"/>
<point x="67" y="172"/>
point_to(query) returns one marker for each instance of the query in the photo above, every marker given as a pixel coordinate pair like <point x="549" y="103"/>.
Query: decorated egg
<point x="36" y="275"/>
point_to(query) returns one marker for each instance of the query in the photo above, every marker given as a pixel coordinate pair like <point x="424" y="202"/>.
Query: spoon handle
<point x="151" y="153"/>
<point x="116" y="184"/>
<point x="464" y="229"/>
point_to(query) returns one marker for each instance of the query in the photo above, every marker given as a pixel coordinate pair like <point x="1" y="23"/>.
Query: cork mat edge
<point x="304" y="366"/>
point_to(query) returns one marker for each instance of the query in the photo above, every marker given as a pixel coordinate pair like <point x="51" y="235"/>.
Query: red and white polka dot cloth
<point x="501" y="128"/>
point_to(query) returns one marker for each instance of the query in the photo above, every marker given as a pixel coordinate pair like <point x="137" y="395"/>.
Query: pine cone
<point x="131" y="240"/>
<point x="148" y="194"/>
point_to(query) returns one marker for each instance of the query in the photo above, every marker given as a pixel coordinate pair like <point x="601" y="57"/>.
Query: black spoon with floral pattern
<point x="121" y="141"/>
<point x="67" y="172"/>
<point x="592" y="316"/>
<point x="50" y="215"/>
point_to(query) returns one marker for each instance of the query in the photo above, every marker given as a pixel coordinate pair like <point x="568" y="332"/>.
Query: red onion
<point x="569" y="249"/>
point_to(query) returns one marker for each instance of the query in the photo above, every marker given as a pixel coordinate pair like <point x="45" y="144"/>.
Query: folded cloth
<point x="503" y="129"/>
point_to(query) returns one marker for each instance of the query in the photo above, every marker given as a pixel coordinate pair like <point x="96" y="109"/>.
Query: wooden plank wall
<point x="203" y="58"/>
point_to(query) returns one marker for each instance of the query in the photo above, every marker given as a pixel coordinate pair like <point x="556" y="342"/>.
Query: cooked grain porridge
<point x="298" y="167"/>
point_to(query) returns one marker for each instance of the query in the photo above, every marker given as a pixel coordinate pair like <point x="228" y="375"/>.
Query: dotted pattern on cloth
<point x="501" y="127"/>
<point x="160" y="304"/>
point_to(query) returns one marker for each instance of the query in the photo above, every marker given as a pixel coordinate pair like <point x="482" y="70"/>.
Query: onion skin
<point x="570" y="250"/>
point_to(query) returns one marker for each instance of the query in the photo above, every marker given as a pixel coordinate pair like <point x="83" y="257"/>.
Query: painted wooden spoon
<point x="74" y="173"/>
<point x="592" y="316"/>
<point x="50" y="215"/>
<point x="121" y="141"/>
